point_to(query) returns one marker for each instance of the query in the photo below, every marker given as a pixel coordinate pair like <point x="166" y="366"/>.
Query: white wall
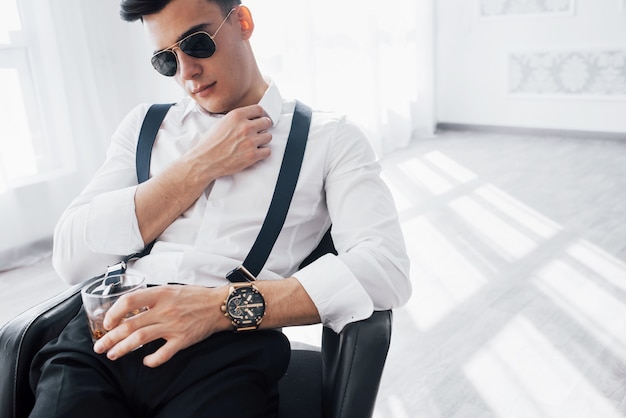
<point x="575" y="57"/>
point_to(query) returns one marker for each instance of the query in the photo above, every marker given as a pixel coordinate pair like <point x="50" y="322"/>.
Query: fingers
<point x="135" y="332"/>
<point x="255" y="127"/>
<point x="253" y="113"/>
<point x="257" y="132"/>
<point x="181" y="315"/>
<point x="264" y="123"/>
<point x="121" y="326"/>
<point x="234" y="143"/>
<point x="162" y="355"/>
<point x="121" y="347"/>
<point x="137" y="300"/>
<point x="127" y="336"/>
<point x="143" y="336"/>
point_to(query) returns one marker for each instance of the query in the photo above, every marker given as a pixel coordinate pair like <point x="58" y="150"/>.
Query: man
<point x="213" y="171"/>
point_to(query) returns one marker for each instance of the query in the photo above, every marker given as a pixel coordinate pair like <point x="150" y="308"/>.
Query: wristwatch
<point x="245" y="306"/>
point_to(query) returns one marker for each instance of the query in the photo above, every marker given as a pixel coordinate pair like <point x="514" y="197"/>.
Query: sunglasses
<point x="198" y="45"/>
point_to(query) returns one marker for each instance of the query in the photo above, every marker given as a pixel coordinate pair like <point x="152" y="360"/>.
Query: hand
<point x="182" y="315"/>
<point x="235" y="142"/>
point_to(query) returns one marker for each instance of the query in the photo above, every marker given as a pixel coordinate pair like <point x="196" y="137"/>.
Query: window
<point x="23" y="145"/>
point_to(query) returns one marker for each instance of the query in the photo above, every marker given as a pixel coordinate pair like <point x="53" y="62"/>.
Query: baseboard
<point x="444" y="126"/>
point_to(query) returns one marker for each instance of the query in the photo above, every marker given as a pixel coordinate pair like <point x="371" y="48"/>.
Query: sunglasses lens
<point x="199" y="45"/>
<point x="165" y="63"/>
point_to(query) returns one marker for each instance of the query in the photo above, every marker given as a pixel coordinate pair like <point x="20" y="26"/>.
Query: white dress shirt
<point x="339" y="182"/>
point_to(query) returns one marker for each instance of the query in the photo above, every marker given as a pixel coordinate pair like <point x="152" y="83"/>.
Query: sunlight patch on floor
<point x="450" y="167"/>
<point x="528" y="218"/>
<point x="443" y="277"/>
<point x="519" y="373"/>
<point x="422" y="175"/>
<point x="605" y="265"/>
<point x="504" y="238"/>
<point x="600" y="313"/>
<point x="397" y="409"/>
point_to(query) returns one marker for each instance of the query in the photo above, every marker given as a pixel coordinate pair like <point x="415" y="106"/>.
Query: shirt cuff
<point x="112" y="226"/>
<point x="338" y="295"/>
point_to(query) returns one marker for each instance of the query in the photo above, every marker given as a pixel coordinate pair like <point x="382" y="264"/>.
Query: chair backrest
<point x="21" y="338"/>
<point x="341" y="380"/>
<point x="352" y="365"/>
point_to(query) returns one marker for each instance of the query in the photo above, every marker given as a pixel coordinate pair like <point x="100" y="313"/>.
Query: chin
<point x="212" y="106"/>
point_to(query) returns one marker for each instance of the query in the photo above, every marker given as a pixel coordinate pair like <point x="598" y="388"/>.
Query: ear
<point x="245" y="21"/>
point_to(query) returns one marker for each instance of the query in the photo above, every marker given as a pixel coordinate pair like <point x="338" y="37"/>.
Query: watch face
<point x="245" y="306"/>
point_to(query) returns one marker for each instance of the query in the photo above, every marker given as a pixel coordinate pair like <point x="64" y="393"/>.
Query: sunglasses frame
<point x="176" y="45"/>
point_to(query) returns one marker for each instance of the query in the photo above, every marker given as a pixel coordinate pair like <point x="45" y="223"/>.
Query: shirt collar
<point x="271" y="102"/>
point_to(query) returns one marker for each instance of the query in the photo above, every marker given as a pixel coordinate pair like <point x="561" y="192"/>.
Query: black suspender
<point x="283" y="192"/>
<point x="149" y="128"/>
<point x="147" y="135"/>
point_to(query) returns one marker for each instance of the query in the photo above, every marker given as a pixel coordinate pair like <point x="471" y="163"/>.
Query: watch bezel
<point x="237" y="290"/>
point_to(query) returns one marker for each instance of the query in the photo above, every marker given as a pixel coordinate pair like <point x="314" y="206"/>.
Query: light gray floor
<point x="518" y="250"/>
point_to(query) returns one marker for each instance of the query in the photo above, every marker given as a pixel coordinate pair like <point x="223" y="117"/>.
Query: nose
<point x="188" y="66"/>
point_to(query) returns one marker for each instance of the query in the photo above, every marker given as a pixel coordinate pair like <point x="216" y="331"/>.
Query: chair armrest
<point x="21" y="338"/>
<point x="352" y="365"/>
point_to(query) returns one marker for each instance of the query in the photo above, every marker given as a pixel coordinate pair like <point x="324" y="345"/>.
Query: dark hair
<point x="131" y="10"/>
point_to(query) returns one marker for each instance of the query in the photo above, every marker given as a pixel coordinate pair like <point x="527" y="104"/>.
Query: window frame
<point x="28" y="53"/>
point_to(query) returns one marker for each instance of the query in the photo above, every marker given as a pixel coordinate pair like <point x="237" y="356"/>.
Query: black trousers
<point x="227" y="375"/>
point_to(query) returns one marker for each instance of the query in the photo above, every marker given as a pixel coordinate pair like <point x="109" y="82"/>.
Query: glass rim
<point x="90" y="287"/>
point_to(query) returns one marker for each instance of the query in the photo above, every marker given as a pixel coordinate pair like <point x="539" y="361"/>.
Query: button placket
<point x="213" y="214"/>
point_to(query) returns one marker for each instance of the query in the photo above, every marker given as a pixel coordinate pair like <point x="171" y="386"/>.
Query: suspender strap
<point x="283" y="192"/>
<point x="147" y="135"/>
<point x="281" y="200"/>
<point x="149" y="128"/>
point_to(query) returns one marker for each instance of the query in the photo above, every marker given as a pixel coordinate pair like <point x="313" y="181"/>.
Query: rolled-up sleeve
<point x="371" y="270"/>
<point x="336" y="292"/>
<point x="100" y="225"/>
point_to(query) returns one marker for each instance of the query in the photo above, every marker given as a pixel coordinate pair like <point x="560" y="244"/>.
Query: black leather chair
<point x="340" y="379"/>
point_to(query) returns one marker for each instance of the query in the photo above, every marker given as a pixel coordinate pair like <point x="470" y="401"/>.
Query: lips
<point x="203" y="90"/>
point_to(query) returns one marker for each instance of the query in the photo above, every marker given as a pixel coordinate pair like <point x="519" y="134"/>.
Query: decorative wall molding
<point x="493" y="8"/>
<point x="570" y="73"/>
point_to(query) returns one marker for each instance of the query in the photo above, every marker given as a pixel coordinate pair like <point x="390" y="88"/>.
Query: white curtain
<point x="84" y="63"/>
<point x="369" y="59"/>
